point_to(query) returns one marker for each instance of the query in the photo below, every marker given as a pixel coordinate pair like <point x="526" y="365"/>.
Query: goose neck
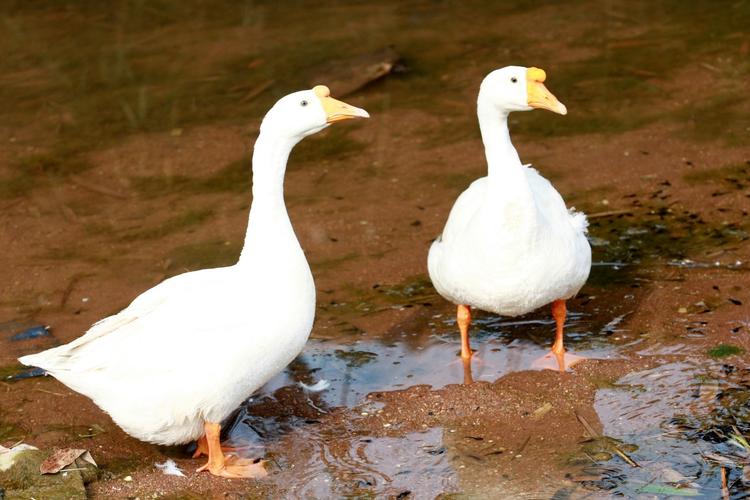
<point x="502" y="156"/>
<point x="268" y="220"/>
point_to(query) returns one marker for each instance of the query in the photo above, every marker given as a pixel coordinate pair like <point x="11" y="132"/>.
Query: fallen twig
<point x="724" y="488"/>
<point x="12" y="204"/>
<point x="615" y="448"/>
<point x="97" y="189"/>
<point x="69" y="289"/>
<point x="49" y="392"/>
<point x="258" y="90"/>
<point x="609" y="213"/>
<point x="523" y="447"/>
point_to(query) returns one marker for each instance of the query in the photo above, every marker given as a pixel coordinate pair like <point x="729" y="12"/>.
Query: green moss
<point x="121" y="465"/>
<point x="10" y="432"/>
<point x="660" y="234"/>
<point x="184" y="495"/>
<point x="334" y="261"/>
<point x="41" y="170"/>
<point x="234" y="177"/>
<point x="155" y="186"/>
<point x="725" y="350"/>
<point x="459" y="179"/>
<point x="735" y="175"/>
<point x="170" y="226"/>
<point x="334" y="142"/>
<point x="355" y="359"/>
<point x="416" y="289"/>
<point x="10" y="370"/>
<point x="718" y="116"/>
<point x="15" y="186"/>
<point x="23" y="480"/>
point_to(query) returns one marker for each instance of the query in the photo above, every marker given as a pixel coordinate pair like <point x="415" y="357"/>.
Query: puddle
<point x="351" y="370"/>
<point x="412" y="466"/>
<point x="681" y="416"/>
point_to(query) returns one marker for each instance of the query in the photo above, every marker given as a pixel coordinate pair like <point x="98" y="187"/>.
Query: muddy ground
<point x="127" y="131"/>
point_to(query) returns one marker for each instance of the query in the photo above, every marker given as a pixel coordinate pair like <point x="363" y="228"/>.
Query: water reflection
<point x="352" y="370"/>
<point x="338" y="462"/>
<point x="687" y="419"/>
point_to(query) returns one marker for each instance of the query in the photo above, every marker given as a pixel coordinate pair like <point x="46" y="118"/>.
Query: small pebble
<point x="128" y="478"/>
<point x="682" y="310"/>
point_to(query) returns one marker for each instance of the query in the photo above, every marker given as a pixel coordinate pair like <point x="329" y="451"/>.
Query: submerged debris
<point x="346" y="77"/>
<point x="31" y="333"/>
<point x="320" y="385"/>
<point x="595" y="435"/>
<point x="23" y="374"/>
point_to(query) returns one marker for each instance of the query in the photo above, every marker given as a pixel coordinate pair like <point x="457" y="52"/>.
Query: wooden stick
<point x="610" y="213"/>
<point x="97" y="189"/>
<point x="595" y="434"/>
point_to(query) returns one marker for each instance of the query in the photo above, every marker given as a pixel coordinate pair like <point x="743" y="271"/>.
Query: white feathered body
<point x="192" y="348"/>
<point x="503" y="254"/>
<point x="188" y="351"/>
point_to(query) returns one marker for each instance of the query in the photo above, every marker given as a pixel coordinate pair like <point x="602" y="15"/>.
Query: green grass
<point x="725" y="350"/>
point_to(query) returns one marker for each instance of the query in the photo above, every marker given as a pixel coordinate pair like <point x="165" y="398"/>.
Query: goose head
<point x="307" y="112"/>
<point x="516" y="88"/>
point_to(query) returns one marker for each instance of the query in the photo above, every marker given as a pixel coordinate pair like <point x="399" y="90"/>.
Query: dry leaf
<point x="62" y="458"/>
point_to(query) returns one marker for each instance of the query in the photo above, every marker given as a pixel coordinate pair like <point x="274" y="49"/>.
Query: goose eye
<point x="303" y="103"/>
<point x="513" y="79"/>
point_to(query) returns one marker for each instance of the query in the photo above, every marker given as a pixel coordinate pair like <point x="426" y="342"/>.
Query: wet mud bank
<point x="136" y="168"/>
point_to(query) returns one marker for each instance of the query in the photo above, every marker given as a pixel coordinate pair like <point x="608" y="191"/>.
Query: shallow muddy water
<point x="127" y="129"/>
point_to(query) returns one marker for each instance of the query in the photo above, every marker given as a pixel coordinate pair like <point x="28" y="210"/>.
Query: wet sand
<point x="126" y="161"/>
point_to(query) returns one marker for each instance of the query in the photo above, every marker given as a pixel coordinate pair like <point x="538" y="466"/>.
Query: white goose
<point x="510" y="245"/>
<point x="184" y="354"/>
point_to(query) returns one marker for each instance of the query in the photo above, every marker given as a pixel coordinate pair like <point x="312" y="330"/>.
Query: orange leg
<point x="227" y="466"/>
<point x="468" y="378"/>
<point x="202" y="448"/>
<point x="558" y="359"/>
<point x="463" y="318"/>
<point x="559" y="312"/>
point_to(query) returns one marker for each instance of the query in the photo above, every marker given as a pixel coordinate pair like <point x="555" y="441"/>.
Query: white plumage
<point x="498" y="259"/>
<point x="510" y="245"/>
<point x="191" y="349"/>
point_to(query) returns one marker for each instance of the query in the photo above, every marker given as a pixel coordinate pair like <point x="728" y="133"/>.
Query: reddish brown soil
<point x="367" y="217"/>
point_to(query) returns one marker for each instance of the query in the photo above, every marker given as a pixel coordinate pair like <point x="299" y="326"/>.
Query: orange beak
<point x="537" y="94"/>
<point x="337" y="111"/>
